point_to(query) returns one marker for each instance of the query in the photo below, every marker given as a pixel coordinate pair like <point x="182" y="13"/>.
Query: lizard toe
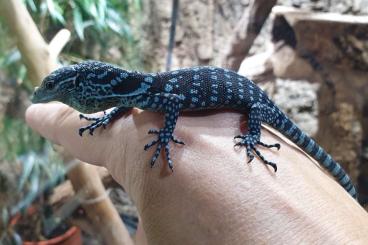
<point x="277" y="145"/>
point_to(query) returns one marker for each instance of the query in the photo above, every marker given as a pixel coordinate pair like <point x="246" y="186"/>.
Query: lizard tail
<point x="296" y="135"/>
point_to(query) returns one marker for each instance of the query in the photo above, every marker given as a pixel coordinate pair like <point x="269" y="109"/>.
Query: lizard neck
<point x="101" y="89"/>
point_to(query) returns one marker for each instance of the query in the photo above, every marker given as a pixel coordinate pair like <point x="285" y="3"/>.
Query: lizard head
<point x="92" y="86"/>
<point x="56" y="86"/>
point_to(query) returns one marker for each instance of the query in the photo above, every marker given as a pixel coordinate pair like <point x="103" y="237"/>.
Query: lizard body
<point x="96" y="86"/>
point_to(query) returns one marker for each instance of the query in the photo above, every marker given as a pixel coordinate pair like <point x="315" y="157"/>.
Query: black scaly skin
<point x="99" y="86"/>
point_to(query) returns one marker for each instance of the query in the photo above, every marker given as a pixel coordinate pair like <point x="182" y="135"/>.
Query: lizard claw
<point x="277" y="145"/>
<point x="101" y="121"/>
<point x="250" y="142"/>
<point x="251" y="157"/>
<point x="176" y="140"/>
<point x="163" y="138"/>
<point x="80" y="132"/>
<point x="153" y="131"/>
<point x="238" y="137"/>
<point x="147" y="146"/>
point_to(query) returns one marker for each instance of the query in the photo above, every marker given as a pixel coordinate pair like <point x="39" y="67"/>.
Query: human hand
<point x="213" y="196"/>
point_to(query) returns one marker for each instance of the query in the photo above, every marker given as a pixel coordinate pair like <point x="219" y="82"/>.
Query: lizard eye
<point x="49" y="85"/>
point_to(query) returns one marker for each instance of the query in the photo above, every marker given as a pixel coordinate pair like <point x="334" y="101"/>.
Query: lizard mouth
<point x="35" y="99"/>
<point x="39" y="97"/>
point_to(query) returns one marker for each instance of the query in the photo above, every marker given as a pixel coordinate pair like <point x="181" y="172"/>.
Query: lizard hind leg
<point x="165" y="135"/>
<point x="101" y="121"/>
<point x="162" y="141"/>
<point x="258" y="113"/>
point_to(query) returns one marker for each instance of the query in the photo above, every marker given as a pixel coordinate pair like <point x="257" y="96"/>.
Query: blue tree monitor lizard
<point x="94" y="86"/>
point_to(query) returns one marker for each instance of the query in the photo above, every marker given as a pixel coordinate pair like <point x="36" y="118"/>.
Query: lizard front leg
<point x="102" y="121"/>
<point x="170" y="104"/>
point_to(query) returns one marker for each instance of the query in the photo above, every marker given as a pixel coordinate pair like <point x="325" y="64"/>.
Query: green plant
<point x="16" y="138"/>
<point x="98" y="15"/>
<point x="40" y="173"/>
<point x="88" y="20"/>
<point x="102" y="23"/>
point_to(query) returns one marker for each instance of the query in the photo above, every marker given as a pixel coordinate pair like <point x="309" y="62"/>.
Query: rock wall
<point x="203" y="29"/>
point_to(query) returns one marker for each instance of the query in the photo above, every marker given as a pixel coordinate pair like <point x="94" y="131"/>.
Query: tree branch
<point x="246" y="32"/>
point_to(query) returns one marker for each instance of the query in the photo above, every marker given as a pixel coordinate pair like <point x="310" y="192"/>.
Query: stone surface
<point x="286" y="63"/>
<point x="258" y="67"/>
<point x="330" y="50"/>
<point x="203" y="29"/>
<point x="298" y="99"/>
<point x="336" y="60"/>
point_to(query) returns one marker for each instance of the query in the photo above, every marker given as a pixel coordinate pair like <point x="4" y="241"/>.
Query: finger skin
<point x="213" y="196"/>
<point x="59" y="123"/>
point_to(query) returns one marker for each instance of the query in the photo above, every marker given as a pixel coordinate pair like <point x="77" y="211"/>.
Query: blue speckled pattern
<point x="95" y="86"/>
<point x="209" y="87"/>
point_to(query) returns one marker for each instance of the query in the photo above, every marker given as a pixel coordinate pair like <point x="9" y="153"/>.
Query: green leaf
<point x="93" y="10"/>
<point x="101" y="7"/>
<point x="137" y="4"/>
<point x="114" y="26"/>
<point x="55" y="11"/>
<point x="78" y="23"/>
<point x="43" y="8"/>
<point x="5" y="216"/>
<point x="117" y="24"/>
<point x="33" y="190"/>
<point x="22" y="72"/>
<point x="28" y="166"/>
<point x="89" y="7"/>
<point x="12" y="57"/>
<point x="31" y="5"/>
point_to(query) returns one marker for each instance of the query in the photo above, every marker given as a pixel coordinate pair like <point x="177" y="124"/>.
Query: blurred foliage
<point x="101" y="29"/>
<point x="10" y="63"/>
<point x="17" y="139"/>
<point x="98" y="15"/>
<point x="102" y="23"/>
<point x="40" y="173"/>
<point x="99" y="23"/>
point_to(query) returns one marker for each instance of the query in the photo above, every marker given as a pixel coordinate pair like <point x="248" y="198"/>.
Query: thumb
<point x="60" y="124"/>
<point x="118" y="147"/>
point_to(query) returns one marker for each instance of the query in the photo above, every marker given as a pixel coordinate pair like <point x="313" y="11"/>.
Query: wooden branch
<point x="258" y="67"/>
<point x="58" y="42"/>
<point x="101" y="212"/>
<point x="32" y="46"/>
<point x="65" y="190"/>
<point x="40" y="62"/>
<point x="246" y="32"/>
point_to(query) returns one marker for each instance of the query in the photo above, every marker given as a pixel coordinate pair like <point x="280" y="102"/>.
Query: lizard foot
<point x="163" y="138"/>
<point x="98" y="122"/>
<point x="81" y="116"/>
<point x="250" y="142"/>
<point x="101" y="121"/>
